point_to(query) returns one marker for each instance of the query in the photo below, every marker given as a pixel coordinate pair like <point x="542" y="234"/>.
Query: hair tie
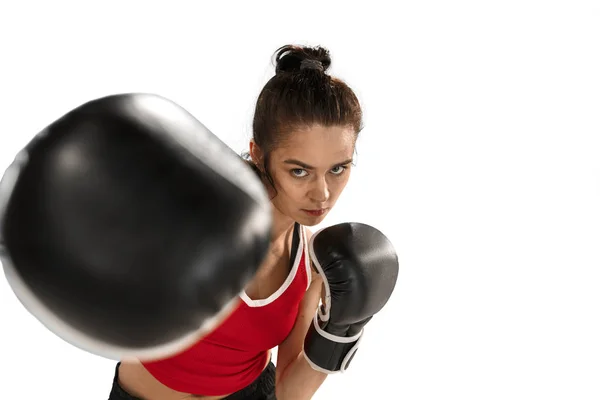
<point x="311" y="64"/>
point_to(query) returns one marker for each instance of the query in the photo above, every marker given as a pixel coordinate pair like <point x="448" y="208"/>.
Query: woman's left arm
<point x="295" y="379"/>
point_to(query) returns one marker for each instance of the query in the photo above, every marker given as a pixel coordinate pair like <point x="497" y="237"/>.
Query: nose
<point x="319" y="191"/>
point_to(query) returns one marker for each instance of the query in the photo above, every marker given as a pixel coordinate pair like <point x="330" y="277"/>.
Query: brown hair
<point x="301" y="94"/>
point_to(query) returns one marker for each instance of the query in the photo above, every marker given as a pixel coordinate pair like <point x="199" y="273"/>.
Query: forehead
<point x="318" y="144"/>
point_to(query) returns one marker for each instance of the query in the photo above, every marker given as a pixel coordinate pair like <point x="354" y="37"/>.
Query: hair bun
<point x="291" y="58"/>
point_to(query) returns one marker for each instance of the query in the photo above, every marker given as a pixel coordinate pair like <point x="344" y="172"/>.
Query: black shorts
<point x="263" y="388"/>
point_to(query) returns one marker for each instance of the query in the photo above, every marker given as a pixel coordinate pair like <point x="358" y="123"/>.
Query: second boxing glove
<point x="128" y="228"/>
<point x="359" y="267"/>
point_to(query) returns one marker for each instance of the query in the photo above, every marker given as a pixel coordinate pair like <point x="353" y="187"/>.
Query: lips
<point x="316" y="213"/>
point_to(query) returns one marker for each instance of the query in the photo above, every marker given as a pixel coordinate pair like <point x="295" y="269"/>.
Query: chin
<point x="307" y="220"/>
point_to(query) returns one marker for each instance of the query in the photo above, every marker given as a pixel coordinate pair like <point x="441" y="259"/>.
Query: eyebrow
<point x="306" y="166"/>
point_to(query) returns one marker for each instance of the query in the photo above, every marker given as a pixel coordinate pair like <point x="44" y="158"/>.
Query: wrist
<point x="329" y="353"/>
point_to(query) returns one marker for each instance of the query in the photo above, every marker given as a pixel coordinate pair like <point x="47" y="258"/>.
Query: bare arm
<point x="295" y="379"/>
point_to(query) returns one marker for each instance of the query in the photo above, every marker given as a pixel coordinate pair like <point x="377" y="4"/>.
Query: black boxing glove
<point x="128" y="229"/>
<point x="359" y="267"/>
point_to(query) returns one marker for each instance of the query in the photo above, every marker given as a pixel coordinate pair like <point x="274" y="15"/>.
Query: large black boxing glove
<point x="128" y="229"/>
<point x="359" y="267"/>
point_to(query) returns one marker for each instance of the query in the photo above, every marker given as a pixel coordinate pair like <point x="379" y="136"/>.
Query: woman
<point x="304" y="132"/>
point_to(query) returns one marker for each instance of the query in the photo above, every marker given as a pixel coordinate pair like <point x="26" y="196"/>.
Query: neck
<point x="281" y="226"/>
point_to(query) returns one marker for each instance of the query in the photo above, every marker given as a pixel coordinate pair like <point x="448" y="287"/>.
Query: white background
<point x="480" y="159"/>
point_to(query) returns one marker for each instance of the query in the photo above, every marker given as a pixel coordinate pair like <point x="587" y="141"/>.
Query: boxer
<point x="132" y="232"/>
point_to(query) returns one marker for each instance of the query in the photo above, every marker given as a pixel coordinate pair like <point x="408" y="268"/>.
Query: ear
<point x="256" y="153"/>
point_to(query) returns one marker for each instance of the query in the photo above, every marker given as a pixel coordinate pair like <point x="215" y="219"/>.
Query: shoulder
<point x="308" y="233"/>
<point x="314" y="276"/>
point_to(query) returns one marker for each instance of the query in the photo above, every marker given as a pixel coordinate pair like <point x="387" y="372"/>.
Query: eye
<point x="338" y="170"/>
<point x="299" y="172"/>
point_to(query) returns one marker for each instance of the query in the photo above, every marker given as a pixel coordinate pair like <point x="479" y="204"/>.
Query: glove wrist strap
<point x="329" y="353"/>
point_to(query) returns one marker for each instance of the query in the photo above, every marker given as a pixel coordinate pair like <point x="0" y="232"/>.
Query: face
<point x="310" y="170"/>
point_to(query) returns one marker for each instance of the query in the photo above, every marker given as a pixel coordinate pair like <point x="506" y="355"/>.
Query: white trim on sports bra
<point x="307" y="262"/>
<point x="302" y="248"/>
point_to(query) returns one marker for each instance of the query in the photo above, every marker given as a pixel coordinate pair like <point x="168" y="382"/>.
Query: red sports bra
<point x="234" y="355"/>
